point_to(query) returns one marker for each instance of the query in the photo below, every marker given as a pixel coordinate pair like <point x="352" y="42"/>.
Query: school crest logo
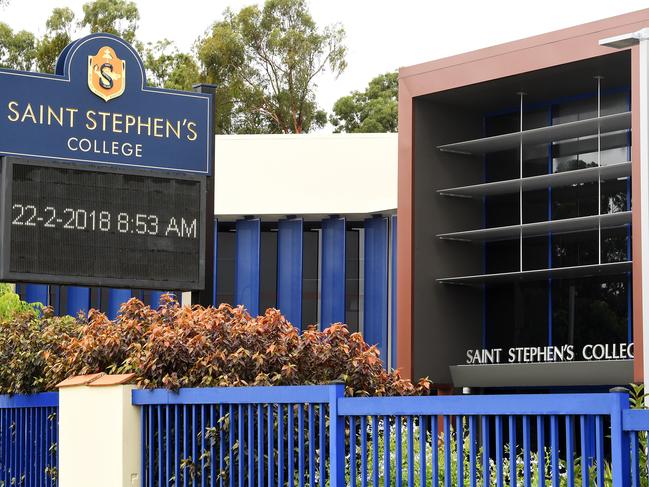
<point x="106" y="74"/>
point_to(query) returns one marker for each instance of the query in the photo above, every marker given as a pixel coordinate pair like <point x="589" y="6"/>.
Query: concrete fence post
<point x="99" y="432"/>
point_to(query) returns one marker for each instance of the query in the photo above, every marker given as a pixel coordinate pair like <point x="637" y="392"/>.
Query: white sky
<point x="381" y="34"/>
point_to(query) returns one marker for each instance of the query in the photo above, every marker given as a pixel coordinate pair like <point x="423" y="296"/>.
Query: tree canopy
<point x="17" y="49"/>
<point x="58" y="34"/>
<point x="373" y="110"/>
<point x="117" y="17"/>
<point x="265" y="61"/>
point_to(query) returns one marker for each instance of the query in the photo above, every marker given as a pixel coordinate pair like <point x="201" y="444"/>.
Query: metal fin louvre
<point x="542" y="135"/>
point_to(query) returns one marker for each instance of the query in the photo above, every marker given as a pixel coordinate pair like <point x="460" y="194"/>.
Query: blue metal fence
<point x="28" y="440"/>
<point x="238" y="436"/>
<point x="313" y="436"/>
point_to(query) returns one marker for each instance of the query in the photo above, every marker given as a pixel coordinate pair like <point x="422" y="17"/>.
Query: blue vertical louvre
<point x="332" y="299"/>
<point x="154" y="298"/>
<point x="115" y="299"/>
<point x="289" y="269"/>
<point x="376" y="284"/>
<point x="247" y="264"/>
<point x="37" y="293"/>
<point x="78" y="300"/>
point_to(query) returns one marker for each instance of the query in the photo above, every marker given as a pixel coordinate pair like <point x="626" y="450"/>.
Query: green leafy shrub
<point x="466" y="467"/>
<point x="11" y="304"/>
<point x="175" y="346"/>
<point x="29" y="344"/>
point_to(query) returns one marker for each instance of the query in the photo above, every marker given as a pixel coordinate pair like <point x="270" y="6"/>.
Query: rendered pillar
<point x="99" y="433"/>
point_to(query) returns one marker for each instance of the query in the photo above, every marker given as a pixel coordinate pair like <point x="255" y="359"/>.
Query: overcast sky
<point x="381" y="34"/>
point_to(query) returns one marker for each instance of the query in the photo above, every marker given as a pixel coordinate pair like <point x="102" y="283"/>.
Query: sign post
<point x="105" y="180"/>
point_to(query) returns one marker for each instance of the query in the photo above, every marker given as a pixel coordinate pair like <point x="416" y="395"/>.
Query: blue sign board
<point x="98" y="109"/>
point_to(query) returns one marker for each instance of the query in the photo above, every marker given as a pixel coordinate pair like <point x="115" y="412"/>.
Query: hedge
<point x="177" y="346"/>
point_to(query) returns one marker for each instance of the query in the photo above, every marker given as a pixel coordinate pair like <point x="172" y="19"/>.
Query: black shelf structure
<point x="542" y="135"/>
<point x="611" y="268"/>
<point x="567" y="225"/>
<point x="556" y="180"/>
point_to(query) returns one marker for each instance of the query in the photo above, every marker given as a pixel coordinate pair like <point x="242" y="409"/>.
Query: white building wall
<point x="313" y="174"/>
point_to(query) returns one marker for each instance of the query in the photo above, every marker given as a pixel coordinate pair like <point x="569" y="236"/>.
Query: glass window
<point x="576" y="311"/>
<point x="352" y="282"/>
<point x="573" y="249"/>
<point x="573" y="201"/>
<point x="589" y="311"/>
<point x="615" y="194"/>
<point x="310" y="291"/>
<point x="267" y="271"/>
<point x="226" y="250"/>
<point x="516" y="315"/>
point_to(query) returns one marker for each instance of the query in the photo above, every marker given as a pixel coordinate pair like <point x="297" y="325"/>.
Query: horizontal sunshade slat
<point x="542" y="135"/>
<point x="607" y="269"/>
<point x="567" y="225"/>
<point x="612" y="171"/>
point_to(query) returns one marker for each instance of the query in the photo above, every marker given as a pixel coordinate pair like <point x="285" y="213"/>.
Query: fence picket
<point x="28" y="425"/>
<point x="279" y="436"/>
<point x="570" y="447"/>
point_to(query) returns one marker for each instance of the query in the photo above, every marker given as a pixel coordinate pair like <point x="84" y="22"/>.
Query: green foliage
<point x="169" y="68"/>
<point x="28" y="343"/>
<point x="11" y="304"/>
<point x="175" y="346"/>
<point x="373" y="110"/>
<point x="17" y="49"/>
<point x="265" y="62"/>
<point x="637" y="396"/>
<point x="119" y="17"/>
<point x="58" y="34"/>
<point x="441" y="447"/>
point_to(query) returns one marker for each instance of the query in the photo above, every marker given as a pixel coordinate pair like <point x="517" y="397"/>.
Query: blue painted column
<point x="78" y="300"/>
<point x="332" y="298"/>
<point x="375" y="317"/>
<point x="246" y="273"/>
<point x="115" y="299"/>
<point x="393" y="291"/>
<point x="37" y="293"/>
<point x="289" y="269"/>
<point x="55" y="299"/>
<point x="155" y="298"/>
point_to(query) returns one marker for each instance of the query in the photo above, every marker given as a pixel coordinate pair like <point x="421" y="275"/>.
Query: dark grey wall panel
<point x="447" y="318"/>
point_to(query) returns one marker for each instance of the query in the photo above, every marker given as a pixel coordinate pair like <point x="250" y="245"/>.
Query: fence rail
<point x="313" y="436"/>
<point x="482" y="440"/>
<point x="238" y="436"/>
<point x="28" y="440"/>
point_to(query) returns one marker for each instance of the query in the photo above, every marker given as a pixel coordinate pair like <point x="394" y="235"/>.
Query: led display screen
<point x="93" y="227"/>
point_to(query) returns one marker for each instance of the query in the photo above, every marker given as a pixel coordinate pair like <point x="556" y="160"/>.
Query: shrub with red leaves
<point x="175" y="346"/>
